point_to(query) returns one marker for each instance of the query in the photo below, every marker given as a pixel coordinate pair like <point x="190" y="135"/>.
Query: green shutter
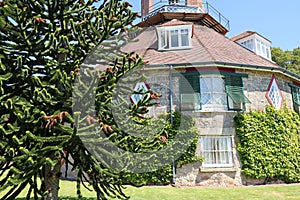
<point x="296" y="95"/>
<point x="189" y="86"/>
<point x="235" y="89"/>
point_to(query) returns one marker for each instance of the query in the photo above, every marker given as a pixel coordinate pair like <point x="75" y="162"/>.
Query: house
<point x="203" y="73"/>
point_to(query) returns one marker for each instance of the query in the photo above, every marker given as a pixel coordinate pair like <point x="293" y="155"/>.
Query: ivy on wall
<point x="269" y="144"/>
<point x="183" y="125"/>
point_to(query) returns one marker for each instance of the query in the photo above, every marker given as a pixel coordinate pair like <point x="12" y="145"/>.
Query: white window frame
<point x="141" y="87"/>
<point x="165" y="40"/>
<point x="211" y="106"/>
<point x="215" y="93"/>
<point x="263" y="48"/>
<point x="212" y="151"/>
<point x="258" y="45"/>
<point x="274" y="94"/>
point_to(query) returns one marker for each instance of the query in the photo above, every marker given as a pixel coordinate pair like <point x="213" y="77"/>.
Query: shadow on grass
<point x="63" y="198"/>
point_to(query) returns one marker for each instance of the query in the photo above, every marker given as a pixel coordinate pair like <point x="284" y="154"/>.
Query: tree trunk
<point x="52" y="176"/>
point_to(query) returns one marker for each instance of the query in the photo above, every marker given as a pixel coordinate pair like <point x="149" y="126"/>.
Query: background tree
<point x="288" y="59"/>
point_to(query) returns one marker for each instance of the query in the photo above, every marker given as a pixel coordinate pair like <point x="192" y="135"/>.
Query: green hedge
<point x="268" y="144"/>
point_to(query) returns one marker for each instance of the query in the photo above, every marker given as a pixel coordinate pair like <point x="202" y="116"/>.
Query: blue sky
<point x="277" y="20"/>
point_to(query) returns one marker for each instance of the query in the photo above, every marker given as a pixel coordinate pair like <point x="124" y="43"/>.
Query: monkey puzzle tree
<point x="42" y="45"/>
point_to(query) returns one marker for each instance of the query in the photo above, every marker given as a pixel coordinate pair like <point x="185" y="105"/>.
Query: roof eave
<point x="228" y="65"/>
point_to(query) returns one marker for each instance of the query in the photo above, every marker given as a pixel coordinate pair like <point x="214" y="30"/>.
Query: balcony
<point x="173" y="8"/>
<point x="207" y="14"/>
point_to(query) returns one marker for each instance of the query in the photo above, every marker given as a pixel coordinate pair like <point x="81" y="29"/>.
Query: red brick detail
<point x="146" y="6"/>
<point x="194" y="3"/>
<point x="210" y="69"/>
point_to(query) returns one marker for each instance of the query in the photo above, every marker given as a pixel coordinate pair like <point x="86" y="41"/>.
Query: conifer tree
<point x="55" y="104"/>
<point x="42" y="46"/>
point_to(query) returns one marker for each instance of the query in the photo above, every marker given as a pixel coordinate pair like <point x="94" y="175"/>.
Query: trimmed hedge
<point x="268" y="144"/>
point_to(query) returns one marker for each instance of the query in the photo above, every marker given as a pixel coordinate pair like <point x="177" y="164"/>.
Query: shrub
<point x="268" y="144"/>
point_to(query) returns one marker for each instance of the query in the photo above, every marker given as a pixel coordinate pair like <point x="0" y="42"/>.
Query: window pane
<point x="174" y="38"/>
<point x="212" y="91"/>
<point x="217" y="84"/>
<point x="268" y="53"/>
<point x="162" y="38"/>
<point x="204" y="84"/>
<point x="217" y="151"/>
<point x="218" y="98"/>
<point x="205" y="98"/>
<point x="184" y="37"/>
<point x="274" y="95"/>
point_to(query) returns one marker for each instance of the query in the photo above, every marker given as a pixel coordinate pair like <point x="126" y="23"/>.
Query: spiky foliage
<point x="42" y="45"/>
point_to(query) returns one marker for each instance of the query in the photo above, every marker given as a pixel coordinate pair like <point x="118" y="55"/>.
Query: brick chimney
<point x="195" y="3"/>
<point x="146" y="7"/>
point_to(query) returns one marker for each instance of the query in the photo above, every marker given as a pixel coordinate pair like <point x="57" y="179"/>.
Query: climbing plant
<point x="269" y="144"/>
<point x="181" y="125"/>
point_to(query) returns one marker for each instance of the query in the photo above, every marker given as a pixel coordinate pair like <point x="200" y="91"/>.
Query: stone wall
<point x="256" y="86"/>
<point x="217" y="123"/>
<point x="212" y="123"/>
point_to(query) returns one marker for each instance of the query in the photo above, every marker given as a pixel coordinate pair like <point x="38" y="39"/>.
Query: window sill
<point x="217" y="169"/>
<point x="175" y="48"/>
<point x="215" y="111"/>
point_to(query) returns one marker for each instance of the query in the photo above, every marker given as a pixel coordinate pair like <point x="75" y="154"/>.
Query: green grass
<point x="274" y="192"/>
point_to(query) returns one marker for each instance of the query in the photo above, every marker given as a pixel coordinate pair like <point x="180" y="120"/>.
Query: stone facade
<point x="256" y="86"/>
<point x="216" y="123"/>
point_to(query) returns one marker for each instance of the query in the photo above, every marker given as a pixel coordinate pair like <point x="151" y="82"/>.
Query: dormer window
<point x="174" y="37"/>
<point x="254" y="42"/>
<point x="249" y="44"/>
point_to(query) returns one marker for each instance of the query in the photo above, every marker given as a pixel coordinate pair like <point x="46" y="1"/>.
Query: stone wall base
<point x="193" y="175"/>
<point x="222" y="179"/>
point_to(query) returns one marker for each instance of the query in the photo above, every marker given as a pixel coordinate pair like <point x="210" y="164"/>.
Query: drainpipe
<point x="171" y="120"/>
<point x="171" y="94"/>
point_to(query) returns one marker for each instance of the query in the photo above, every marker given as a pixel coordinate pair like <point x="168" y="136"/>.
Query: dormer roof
<point x="247" y="34"/>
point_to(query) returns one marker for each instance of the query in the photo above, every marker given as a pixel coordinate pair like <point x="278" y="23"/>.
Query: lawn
<point x="270" y="192"/>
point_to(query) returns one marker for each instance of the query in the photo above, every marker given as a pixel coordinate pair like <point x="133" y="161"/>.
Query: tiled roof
<point x="207" y="46"/>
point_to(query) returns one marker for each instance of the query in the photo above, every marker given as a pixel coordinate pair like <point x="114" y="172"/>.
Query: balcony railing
<point x="164" y="6"/>
<point x="217" y="15"/>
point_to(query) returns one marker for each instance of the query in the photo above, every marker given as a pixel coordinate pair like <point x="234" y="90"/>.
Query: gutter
<point x="227" y="65"/>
